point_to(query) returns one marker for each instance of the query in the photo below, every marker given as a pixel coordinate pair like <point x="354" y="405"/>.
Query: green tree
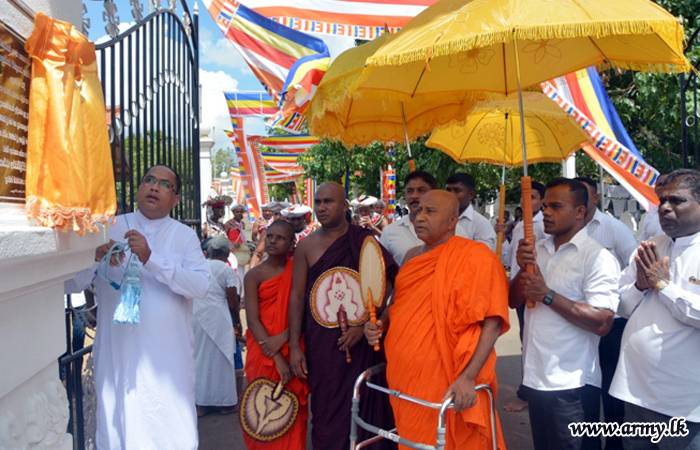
<point x="222" y="161"/>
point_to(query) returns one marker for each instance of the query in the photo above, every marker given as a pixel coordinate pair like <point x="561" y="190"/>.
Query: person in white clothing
<point x="215" y="382"/>
<point x="650" y="226"/>
<point x="657" y="375"/>
<point x="477" y="227"/>
<point x="619" y="240"/>
<point x="536" y="195"/>
<point x="574" y="294"/>
<point x="144" y="372"/>
<point x="400" y="236"/>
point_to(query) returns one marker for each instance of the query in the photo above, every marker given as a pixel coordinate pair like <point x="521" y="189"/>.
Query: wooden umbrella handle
<point x="501" y="214"/>
<point x="526" y="184"/>
<point x="411" y="164"/>
<point x="372" y="314"/>
<point x="343" y="322"/>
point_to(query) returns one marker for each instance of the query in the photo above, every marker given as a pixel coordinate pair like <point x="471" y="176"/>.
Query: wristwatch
<point x="660" y="285"/>
<point x="549" y="298"/>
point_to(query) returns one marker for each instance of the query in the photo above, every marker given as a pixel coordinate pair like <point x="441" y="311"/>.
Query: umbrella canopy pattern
<point x="334" y="113"/>
<point x="491" y="133"/>
<point x="462" y="45"/>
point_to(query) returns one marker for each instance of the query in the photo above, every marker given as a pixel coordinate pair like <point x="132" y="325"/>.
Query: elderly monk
<point x="326" y="279"/>
<point x="268" y="286"/>
<point x="450" y="306"/>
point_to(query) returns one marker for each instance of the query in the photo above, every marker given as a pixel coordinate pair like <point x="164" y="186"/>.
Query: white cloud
<point x="219" y="52"/>
<point x="214" y="109"/>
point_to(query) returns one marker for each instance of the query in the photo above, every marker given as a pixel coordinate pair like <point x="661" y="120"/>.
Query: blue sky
<point x="221" y="67"/>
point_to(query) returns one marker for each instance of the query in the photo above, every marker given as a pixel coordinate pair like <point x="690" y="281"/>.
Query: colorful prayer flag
<point x="284" y="163"/>
<point x="254" y="103"/>
<point x="296" y="143"/>
<point x="289" y="63"/>
<point x="251" y="172"/>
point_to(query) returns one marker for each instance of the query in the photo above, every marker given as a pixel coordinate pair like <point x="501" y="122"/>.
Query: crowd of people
<point x="603" y="318"/>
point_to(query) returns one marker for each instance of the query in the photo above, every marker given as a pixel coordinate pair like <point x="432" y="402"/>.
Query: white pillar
<point x="568" y="167"/>
<point x="205" y="180"/>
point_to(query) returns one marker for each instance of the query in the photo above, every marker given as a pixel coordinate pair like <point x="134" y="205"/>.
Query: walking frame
<point x="391" y="435"/>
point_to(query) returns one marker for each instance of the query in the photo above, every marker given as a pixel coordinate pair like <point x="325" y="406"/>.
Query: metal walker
<point x="391" y="434"/>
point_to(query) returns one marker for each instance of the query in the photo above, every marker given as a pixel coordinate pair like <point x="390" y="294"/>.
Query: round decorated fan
<point x="372" y="277"/>
<point x="267" y="410"/>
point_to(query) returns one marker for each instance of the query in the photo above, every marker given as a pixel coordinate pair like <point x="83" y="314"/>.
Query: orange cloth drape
<point x="70" y="182"/>
<point x="273" y="301"/>
<point x="440" y="298"/>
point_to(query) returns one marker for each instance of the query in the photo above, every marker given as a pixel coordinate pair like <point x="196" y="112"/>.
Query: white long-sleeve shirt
<point x="144" y="373"/>
<point x="650" y="226"/>
<point x="659" y="365"/>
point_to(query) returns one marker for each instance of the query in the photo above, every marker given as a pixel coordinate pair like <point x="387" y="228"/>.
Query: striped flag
<point x="579" y="92"/>
<point x="289" y="63"/>
<point x="284" y="163"/>
<point x="296" y="143"/>
<point x="254" y="103"/>
<point x="292" y="123"/>
<point x="250" y="171"/>
<point x="360" y="19"/>
<point x="309" y="192"/>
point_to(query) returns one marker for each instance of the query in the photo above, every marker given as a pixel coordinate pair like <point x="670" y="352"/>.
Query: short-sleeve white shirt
<point x="659" y="365"/>
<point x="613" y="235"/>
<point x="556" y="353"/>
<point x="477" y="227"/>
<point x="650" y="226"/>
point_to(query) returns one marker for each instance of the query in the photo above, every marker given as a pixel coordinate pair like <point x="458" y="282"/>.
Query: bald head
<point x="330" y="204"/>
<point x="437" y="217"/>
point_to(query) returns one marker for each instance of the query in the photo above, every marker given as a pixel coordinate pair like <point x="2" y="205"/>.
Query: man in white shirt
<point x="400" y="236"/>
<point x="574" y="291"/>
<point x="477" y="227"/>
<point x="650" y="226"/>
<point x="144" y="372"/>
<point x="619" y="240"/>
<point x="657" y="375"/>
<point x="537" y="195"/>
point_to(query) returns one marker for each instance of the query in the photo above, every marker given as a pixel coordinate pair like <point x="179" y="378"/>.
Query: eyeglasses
<point x="165" y="184"/>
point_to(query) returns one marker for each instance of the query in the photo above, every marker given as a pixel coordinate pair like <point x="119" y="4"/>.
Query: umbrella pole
<point x="411" y="162"/>
<point x="502" y="194"/>
<point x="525" y="181"/>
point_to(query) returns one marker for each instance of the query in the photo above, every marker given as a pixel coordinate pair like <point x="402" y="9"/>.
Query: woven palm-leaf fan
<point x="267" y="410"/>
<point x="372" y="277"/>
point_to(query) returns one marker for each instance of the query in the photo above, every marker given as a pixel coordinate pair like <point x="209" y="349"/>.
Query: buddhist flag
<point x="289" y="63"/>
<point x="582" y="95"/>
<point x="251" y="172"/>
<point x="285" y="163"/>
<point x="292" y="143"/>
<point x="360" y="19"/>
<point x="309" y="192"/>
<point x="256" y="103"/>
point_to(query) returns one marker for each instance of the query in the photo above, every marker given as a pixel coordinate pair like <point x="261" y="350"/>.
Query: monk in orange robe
<point x="267" y="301"/>
<point x="450" y="305"/>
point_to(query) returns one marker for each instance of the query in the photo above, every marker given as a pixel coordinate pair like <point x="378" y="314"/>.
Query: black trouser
<point x="551" y="412"/>
<point x="609" y="353"/>
<point x="521" y="321"/>
<point x="637" y="414"/>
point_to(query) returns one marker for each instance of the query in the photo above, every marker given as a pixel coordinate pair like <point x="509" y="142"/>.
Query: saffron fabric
<point x="70" y="180"/>
<point x="440" y="299"/>
<point x="273" y="303"/>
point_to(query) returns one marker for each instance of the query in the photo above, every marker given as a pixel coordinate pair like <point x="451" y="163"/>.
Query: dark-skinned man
<point x="619" y="240"/>
<point x="400" y="236"/>
<point x="325" y="282"/>
<point x="475" y="226"/>
<point x="135" y="407"/>
<point x="574" y="290"/>
<point x="450" y="306"/>
<point x="657" y="375"/>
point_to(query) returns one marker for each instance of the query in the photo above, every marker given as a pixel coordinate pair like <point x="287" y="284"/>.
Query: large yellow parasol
<point x="490" y="134"/>
<point x="499" y="46"/>
<point x="335" y="114"/>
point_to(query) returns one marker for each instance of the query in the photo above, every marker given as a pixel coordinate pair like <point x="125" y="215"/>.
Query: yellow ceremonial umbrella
<point x="490" y="134"/>
<point x="499" y="46"/>
<point x="336" y="114"/>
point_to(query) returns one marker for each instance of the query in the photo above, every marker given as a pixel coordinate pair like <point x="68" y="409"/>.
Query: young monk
<point x="267" y="300"/>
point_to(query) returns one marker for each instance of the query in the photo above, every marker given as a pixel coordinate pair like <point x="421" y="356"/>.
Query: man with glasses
<point x="144" y="372"/>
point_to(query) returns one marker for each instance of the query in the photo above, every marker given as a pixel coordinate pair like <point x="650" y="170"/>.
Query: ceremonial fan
<point x="372" y="277"/>
<point x="267" y="410"/>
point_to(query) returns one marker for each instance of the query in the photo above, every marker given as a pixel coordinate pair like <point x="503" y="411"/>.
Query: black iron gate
<point x="690" y="114"/>
<point x="150" y="78"/>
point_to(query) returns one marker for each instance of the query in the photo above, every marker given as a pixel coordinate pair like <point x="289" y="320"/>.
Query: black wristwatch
<point x="549" y="298"/>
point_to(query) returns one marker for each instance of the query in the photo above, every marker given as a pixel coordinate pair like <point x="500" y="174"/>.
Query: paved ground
<point x="224" y="432"/>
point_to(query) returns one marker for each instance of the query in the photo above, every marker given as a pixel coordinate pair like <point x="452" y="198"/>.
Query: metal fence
<point x="690" y="114"/>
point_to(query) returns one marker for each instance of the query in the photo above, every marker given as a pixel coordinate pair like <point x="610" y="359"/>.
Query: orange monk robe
<point x="273" y="301"/>
<point x="440" y="298"/>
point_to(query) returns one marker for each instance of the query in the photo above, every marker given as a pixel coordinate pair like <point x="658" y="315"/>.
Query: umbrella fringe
<point x="668" y="29"/>
<point x="63" y="218"/>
